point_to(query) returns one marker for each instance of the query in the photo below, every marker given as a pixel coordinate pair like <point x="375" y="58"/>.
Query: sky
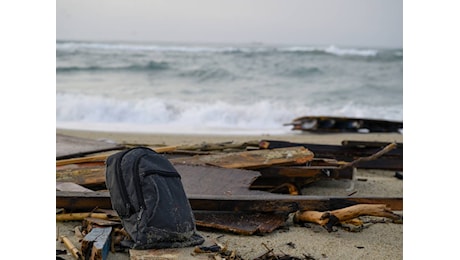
<point x="360" y="23"/>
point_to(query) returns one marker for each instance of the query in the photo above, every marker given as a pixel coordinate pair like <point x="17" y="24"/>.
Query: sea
<point x="241" y="89"/>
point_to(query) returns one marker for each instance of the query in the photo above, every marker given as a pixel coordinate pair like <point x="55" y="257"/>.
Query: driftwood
<point x="73" y="250"/>
<point x="386" y="149"/>
<point x="331" y="218"/>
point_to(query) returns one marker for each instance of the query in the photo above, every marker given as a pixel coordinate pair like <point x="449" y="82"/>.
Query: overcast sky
<point x="360" y="23"/>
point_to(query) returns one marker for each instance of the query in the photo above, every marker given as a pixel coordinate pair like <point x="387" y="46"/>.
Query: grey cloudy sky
<point x="358" y="23"/>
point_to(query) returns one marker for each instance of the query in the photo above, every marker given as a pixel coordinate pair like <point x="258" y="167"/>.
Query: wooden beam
<point x="81" y="201"/>
<point x="251" y="159"/>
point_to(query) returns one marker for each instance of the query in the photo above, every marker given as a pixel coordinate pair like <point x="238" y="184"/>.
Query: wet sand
<point x="378" y="241"/>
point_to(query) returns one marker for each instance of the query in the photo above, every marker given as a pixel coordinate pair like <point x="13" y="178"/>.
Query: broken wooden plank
<point x="165" y="254"/>
<point x="392" y="160"/>
<point x="82" y="201"/>
<point x="71" y="146"/>
<point x="195" y="179"/>
<point x="86" y="176"/>
<point x="344" y="124"/>
<point x="80" y="216"/>
<point x="70" y="186"/>
<point x="241" y="223"/>
<point x="252" y="159"/>
<point x="102" y="157"/>
<point x="273" y="178"/>
<point x="96" y="244"/>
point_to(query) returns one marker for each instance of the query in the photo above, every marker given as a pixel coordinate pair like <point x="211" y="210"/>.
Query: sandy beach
<point x="378" y="241"/>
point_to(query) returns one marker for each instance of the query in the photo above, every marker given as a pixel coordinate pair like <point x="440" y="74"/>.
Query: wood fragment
<point x="251" y="159"/>
<point x="70" y="186"/>
<point x="96" y="244"/>
<point x="73" y="250"/>
<point x="103" y="157"/>
<point x="80" y="216"/>
<point x="329" y="219"/>
<point x="371" y="157"/>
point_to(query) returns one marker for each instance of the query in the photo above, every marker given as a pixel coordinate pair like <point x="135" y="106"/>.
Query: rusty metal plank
<point x="251" y="159"/>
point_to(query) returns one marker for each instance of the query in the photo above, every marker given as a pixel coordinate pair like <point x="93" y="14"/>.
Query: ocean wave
<point x="212" y="48"/>
<point x="219" y="114"/>
<point x="148" y="66"/>
<point x="300" y="72"/>
<point x="208" y="74"/>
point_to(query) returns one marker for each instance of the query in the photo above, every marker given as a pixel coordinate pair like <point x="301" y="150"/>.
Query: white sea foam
<point x="175" y="116"/>
<point x="214" y="88"/>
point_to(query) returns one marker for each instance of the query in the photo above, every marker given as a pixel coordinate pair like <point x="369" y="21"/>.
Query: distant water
<point x="228" y="89"/>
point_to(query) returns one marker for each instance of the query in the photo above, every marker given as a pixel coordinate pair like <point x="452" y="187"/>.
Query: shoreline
<point x="191" y="138"/>
<point x="378" y="241"/>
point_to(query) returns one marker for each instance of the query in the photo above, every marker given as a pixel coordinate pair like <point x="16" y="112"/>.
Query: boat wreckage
<point x="243" y="188"/>
<point x="344" y="124"/>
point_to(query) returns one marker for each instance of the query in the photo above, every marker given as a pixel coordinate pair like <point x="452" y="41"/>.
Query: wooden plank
<point x="96" y="244"/>
<point x="241" y="223"/>
<point x="70" y="146"/>
<point x="279" y="178"/>
<point x="70" y="186"/>
<point x="251" y="159"/>
<point x="103" y="157"/>
<point x="195" y="179"/>
<point x="392" y="160"/>
<point x="87" y="176"/>
<point x="366" y="144"/>
<point x="166" y="254"/>
<point x="79" y="201"/>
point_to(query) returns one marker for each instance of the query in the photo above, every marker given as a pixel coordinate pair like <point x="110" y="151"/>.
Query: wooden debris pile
<point x="244" y="188"/>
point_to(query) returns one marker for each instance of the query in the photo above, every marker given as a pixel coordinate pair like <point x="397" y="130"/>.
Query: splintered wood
<point x="331" y="218"/>
<point x="252" y="159"/>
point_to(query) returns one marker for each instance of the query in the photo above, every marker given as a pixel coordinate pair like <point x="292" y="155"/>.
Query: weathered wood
<point x="80" y="216"/>
<point x="70" y="246"/>
<point x="71" y="186"/>
<point x="165" y="254"/>
<point x="80" y="201"/>
<point x="239" y="222"/>
<point x="251" y="159"/>
<point x="344" y="124"/>
<point x="71" y="146"/>
<point x="218" y="146"/>
<point x="392" y="160"/>
<point x="195" y="179"/>
<point x="103" y="157"/>
<point x="332" y="218"/>
<point x="86" y="176"/>
<point x="386" y="149"/>
<point x="281" y="178"/>
<point x="96" y="244"/>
